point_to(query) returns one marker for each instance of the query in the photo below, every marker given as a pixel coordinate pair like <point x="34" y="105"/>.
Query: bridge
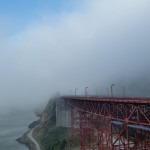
<point x="109" y="123"/>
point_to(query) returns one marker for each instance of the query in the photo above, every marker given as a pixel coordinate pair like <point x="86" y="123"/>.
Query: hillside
<point x="47" y="134"/>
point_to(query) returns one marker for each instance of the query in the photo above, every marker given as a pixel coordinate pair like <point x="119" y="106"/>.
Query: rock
<point x="33" y="124"/>
<point x="26" y="141"/>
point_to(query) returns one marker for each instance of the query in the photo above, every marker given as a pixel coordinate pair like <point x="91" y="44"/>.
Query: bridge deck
<point x="110" y="122"/>
<point x="139" y="100"/>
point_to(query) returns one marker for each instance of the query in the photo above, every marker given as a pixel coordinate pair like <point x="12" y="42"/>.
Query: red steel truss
<point x="105" y="123"/>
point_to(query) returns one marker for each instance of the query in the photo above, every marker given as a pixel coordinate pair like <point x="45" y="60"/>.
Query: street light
<point x="86" y="91"/>
<point x="112" y="89"/>
<point x="124" y="91"/>
<point x="75" y="91"/>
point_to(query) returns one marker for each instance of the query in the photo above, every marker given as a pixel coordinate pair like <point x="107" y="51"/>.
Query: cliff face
<point x="47" y="134"/>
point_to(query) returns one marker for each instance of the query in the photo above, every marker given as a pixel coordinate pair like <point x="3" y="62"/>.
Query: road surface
<point x="33" y="140"/>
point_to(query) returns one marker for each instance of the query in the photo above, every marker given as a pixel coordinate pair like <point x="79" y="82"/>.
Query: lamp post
<point x="112" y="89"/>
<point x="86" y="91"/>
<point x="75" y="91"/>
<point x="124" y="91"/>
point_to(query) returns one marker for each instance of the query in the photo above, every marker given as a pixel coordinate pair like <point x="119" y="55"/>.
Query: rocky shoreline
<point x="25" y="139"/>
<point x="46" y="132"/>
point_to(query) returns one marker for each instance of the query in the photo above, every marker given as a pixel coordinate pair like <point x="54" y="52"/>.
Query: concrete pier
<point x="63" y="113"/>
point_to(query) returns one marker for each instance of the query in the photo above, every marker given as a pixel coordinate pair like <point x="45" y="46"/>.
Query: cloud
<point x="104" y="42"/>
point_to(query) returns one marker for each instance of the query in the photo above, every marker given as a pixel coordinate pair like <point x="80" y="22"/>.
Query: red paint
<point x="110" y="123"/>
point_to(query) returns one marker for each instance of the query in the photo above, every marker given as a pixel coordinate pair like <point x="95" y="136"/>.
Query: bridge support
<point x="91" y="131"/>
<point x="63" y="113"/>
<point x="94" y="127"/>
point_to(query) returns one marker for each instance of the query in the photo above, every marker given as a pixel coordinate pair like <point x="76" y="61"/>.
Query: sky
<point x="49" y="46"/>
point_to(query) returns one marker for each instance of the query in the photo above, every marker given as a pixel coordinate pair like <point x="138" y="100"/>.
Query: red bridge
<point x="110" y="123"/>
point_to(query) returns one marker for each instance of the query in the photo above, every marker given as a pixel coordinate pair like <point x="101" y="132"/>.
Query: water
<point x="12" y="126"/>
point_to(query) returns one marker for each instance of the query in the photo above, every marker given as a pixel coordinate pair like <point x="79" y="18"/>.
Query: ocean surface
<point x="13" y="126"/>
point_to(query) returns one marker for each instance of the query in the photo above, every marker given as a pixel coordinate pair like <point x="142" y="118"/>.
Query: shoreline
<point x="27" y="138"/>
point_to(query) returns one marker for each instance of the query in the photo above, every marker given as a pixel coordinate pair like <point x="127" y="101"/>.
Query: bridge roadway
<point x="138" y="100"/>
<point x="124" y="121"/>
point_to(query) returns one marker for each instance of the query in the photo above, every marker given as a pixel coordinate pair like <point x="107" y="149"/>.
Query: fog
<point x="97" y="44"/>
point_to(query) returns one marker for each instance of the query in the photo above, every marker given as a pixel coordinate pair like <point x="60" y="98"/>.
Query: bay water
<point x="12" y="126"/>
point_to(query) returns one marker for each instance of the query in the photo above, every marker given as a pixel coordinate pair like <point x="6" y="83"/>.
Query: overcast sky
<point x="48" y="46"/>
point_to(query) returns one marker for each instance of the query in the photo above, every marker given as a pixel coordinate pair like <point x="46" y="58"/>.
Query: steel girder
<point x="111" y="126"/>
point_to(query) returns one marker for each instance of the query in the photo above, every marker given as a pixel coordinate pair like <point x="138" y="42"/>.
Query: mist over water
<point x="12" y="126"/>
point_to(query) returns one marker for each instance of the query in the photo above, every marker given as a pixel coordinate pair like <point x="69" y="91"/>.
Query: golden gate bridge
<point x="110" y="123"/>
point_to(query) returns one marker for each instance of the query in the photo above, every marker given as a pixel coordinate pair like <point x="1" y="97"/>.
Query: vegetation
<point x="55" y="139"/>
<point x="47" y="134"/>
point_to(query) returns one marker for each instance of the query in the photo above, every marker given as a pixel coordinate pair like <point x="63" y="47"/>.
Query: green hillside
<point x="47" y="134"/>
